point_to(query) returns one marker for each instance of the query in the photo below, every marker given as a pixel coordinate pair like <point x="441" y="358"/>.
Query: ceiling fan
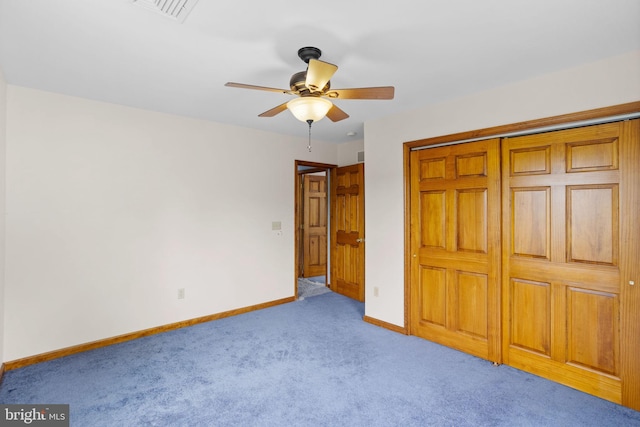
<point x="313" y="90"/>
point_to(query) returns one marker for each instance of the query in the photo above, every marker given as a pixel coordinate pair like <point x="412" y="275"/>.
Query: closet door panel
<point x="531" y="316"/>
<point x="530" y="222"/>
<point x="592" y="330"/>
<point x="592" y="216"/>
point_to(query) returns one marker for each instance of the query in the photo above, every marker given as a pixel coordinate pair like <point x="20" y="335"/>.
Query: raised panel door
<point x="567" y="200"/>
<point x="455" y="246"/>
<point x="314" y="233"/>
<point x="347" y="225"/>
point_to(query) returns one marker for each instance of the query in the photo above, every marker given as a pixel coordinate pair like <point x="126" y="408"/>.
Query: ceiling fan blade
<point x="381" y="92"/>
<point x="335" y="114"/>
<point x="275" y="110"/>
<point x="268" y="89"/>
<point x="318" y="74"/>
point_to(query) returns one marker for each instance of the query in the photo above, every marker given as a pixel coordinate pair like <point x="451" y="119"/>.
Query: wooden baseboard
<point x="386" y="325"/>
<point x="44" y="357"/>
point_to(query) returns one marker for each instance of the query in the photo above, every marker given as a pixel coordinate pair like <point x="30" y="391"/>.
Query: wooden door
<point x="455" y="247"/>
<point x="570" y="239"/>
<point x="314" y="226"/>
<point x="347" y="231"/>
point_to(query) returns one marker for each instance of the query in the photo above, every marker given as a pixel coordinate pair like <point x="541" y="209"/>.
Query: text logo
<point x="34" y="415"/>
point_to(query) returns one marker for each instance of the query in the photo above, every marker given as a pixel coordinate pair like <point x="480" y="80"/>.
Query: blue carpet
<point x="307" y="363"/>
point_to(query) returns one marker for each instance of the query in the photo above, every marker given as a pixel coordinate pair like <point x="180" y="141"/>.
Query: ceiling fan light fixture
<point x="312" y="88"/>
<point x="308" y="108"/>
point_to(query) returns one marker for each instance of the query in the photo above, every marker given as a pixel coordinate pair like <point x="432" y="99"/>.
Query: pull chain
<point x="309" y="146"/>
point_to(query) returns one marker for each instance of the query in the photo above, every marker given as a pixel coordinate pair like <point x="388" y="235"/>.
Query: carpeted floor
<point x="313" y="362"/>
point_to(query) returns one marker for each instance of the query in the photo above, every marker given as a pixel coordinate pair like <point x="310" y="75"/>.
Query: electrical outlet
<point x="181" y="293"/>
<point x="375" y="291"/>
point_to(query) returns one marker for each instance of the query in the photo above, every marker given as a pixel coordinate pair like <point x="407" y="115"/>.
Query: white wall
<point x="348" y="152"/>
<point x="3" y="127"/>
<point x="111" y="209"/>
<point x="600" y="84"/>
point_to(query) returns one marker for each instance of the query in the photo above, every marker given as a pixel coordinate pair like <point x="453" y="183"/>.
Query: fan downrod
<point x="309" y="52"/>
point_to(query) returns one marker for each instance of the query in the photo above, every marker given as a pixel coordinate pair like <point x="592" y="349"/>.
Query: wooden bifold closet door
<point x="570" y="232"/>
<point x="526" y="251"/>
<point x="455" y="246"/>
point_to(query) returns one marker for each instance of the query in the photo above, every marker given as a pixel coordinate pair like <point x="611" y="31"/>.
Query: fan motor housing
<point x="297" y="84"/>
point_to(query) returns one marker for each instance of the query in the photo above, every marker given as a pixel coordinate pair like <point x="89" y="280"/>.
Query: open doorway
<point x="312" y="228"/>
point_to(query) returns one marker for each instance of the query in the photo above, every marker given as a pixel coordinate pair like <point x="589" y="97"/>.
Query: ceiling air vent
<point x="174" y="9"/>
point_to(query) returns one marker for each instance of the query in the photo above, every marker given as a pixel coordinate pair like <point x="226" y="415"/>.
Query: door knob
<point x="360" y="240"/>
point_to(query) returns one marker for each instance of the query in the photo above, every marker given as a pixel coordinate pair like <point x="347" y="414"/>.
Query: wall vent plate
<point x="173" y="9"/>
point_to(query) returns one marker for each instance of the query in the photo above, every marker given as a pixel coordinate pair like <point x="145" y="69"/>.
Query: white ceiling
<point x="431" y="50"/>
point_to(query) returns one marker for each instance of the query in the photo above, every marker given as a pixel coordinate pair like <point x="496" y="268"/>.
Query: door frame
<point x="310" y="167"/>
<point x="564" y="121"/>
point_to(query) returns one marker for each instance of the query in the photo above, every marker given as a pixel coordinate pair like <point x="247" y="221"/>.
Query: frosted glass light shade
<point x="309" y="108"/>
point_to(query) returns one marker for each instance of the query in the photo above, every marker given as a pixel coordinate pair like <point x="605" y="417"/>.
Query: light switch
<point x="276" y="225"/>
